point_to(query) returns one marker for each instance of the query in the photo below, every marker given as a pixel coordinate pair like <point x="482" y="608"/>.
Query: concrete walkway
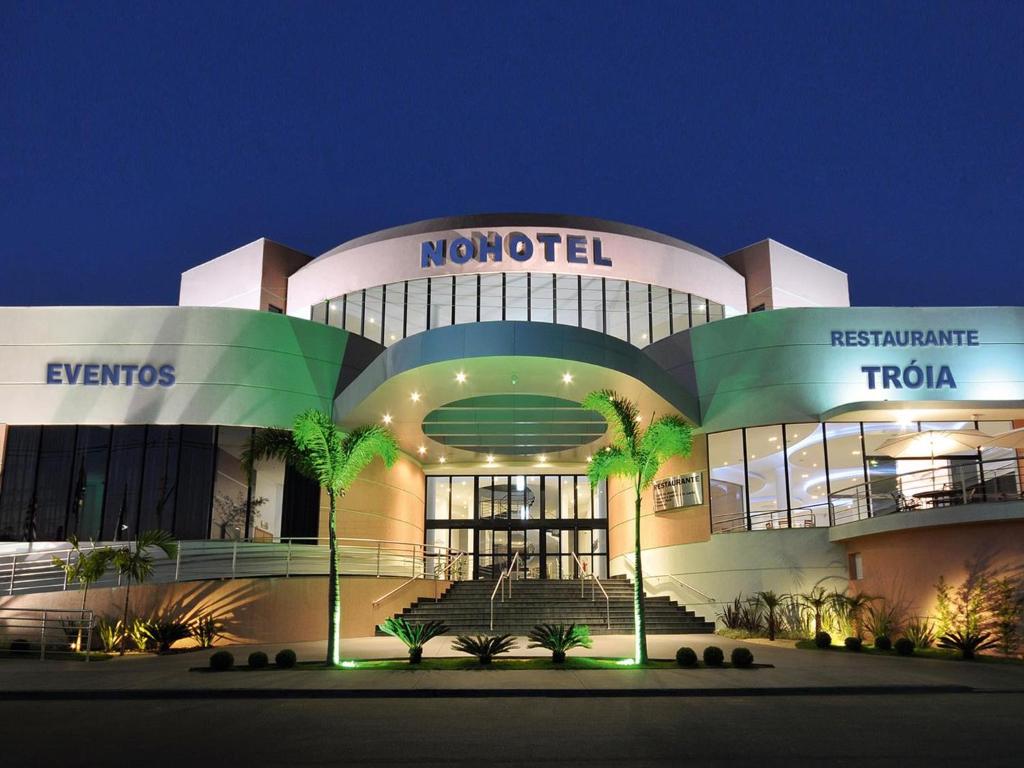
<point x="793" y="671"/>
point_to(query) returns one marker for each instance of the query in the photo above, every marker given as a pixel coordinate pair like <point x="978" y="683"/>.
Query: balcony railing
<point x="27" y="568"/>
<point x="952" y="482"/>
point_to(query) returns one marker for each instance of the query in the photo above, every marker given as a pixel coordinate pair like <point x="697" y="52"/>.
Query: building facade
<point x="475" y="339"/>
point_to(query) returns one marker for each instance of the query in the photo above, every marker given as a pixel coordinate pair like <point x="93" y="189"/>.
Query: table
<point x="942" y="498"/>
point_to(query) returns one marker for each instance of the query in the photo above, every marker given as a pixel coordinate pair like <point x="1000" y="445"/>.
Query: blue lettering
<point x="53" y="373"/>
<point x="599" y="260"/>
<point x="549" y="240"/>
<point x="461" y="250"/>
<point x="71" y="372"/>
<point x="110" y="374"/>
<point x="871" y="371"/>
<point x="129" y="373"/>
<point x="837" y="338"/>
<point x="432" y="254"/>
<point x="972" y="339"/>
<point x="576" y="249"/>
<point x="487" y="248"/>
<point x="167" y="375"/>
<point x="92" y="375"/>
<point x="520" y="247"/>
<point x="147" y="375"/>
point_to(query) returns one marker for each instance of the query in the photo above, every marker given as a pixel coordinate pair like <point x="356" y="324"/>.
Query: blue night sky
<point x="139" y="139"/>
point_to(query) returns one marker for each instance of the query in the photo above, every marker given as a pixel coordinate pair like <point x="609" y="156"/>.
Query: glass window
<point x="533" y="508"/>
<point x="542" y="302"/>
<point x="465" y="299"/>
<point x="19" y="472"/>
<point x="584" y="508"/>
<point x="438" y="498"/>
<point x="845" y="465"/>
<point x="567" y="300"/>
<point x="394" y="313"/>
<point x="515" y="296"/>
<point x="416" y="306"/>
<point x="234" y="506"/>
<point x="196" y="460"/>
<point x="660" y="320"/>
<point x="615" y="308"/>
<point x="90" y="479"/>
<point x="808" y="484"/>
<point x="441" y="301"/>
<point x="680" y="311"/>
<point x="124" y="478"/>
<point x="336" y="312"/>
<point x="592" y="303"/>
<point x="1001" y="466"/>
<point x="766" y="478"/>
<point x="462" y="498"/>
<point x="374" y="311"/>
<point x="728" y="481"/>
<point x="568" y="500"/>
<point x="159" y="481"/>
<point x="715" y="311"/>
<point x="485" y="496"/>
<point x="551" y="497"/>
<point x="601" y="501"/>
<point x="490" y="297"/>
<point x="354" y="312"/>
<point x="318" y="312"/>
<point x="639" y="315"/>
<point x="53" y="483"/>
<point x="698" y="310"/>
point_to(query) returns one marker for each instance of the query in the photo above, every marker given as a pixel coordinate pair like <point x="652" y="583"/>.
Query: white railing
<point x="27" y="568"/>
<point x="34" y="632"/>
<point x="504" y="578"/>
<point x="442" y="574"/>
<point x="707" y="599"/>
<point x="594" y="581"/>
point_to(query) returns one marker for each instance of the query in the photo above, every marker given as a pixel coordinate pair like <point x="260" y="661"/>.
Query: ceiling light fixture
<point x="386" y="418"/>
<point x="415" y="396"/>
<point x="422" y="450"/>
<point x="567" y="378"/>
<point x="460" y="377"/>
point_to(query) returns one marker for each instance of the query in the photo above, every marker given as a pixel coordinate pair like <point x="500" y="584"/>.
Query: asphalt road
<point x="863" y="730"/>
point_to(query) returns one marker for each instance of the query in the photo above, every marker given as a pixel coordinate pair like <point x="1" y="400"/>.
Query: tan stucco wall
<point x="681" y="526"/>
<point x="280" y="610"/>
<point x="383" y="503"/>
<point x="904" y="566"/>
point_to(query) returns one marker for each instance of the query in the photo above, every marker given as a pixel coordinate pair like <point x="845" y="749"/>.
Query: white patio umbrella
<point x="1012" y="439"/>
<point x="933" y="442"/>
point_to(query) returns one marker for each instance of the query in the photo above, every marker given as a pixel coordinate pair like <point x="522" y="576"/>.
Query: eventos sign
<point x="115" y="375"/>
<point x="911" y="375"/>
<point x="551" y="246"/>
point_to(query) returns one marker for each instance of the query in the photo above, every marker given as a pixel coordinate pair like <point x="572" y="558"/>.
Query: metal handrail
<point x="994" y="480"/>
<point x="27" y="567"/>
<point x="584" y="575"/>
<point x="674" y="578"/>
<point x="437" y="576"/>
<point x="21" y="623"/>
<point x="506" y="576"/>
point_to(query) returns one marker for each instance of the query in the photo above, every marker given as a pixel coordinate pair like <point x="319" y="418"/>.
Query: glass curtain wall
<point x="556" y="523"/>
<point x="635" y="312"/>
<point x="781" y="476"/>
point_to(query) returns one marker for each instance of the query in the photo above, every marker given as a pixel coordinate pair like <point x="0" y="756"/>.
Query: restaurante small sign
<point x="678" y="491"/>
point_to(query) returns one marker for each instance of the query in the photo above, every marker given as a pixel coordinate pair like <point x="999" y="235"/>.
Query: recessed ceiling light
<point x="422" y="450"/>
<point x="372" y="321"/>
<point x="543" y="458"/>
<point x="415" y="397"/>
<point x="386" y="418"/>
<point x="772" y="439"/>
<point x="490" y="459"/>
<point x="461" y="377"/>
<point x="567" y="378"/>
<point x="441" y="460"/>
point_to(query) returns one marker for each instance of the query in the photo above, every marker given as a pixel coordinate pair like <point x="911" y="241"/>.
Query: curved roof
<point x="517" y="220"/>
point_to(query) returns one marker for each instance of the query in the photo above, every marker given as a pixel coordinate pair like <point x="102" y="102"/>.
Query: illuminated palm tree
<point x="317" y="449"/>
<point x="84" y="567"/>
<point x="135" y="563"/>
<point x="637" y="455"/>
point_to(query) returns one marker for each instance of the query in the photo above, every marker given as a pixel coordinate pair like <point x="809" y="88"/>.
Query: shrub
<point x="166" y="633"/>
<point x="285" y="659"/>
<point x="140" y="632"/>
<point x="968" y="643"/>
<point x="559" y="638"/>
<point x="713" y="656"/>
<point x="920" y="632"/>
<point x="110" y="632"/>
<point x="484" y="647"/>
<point x="853" y="643"/>
<point x="884" y="619"/>
<point x="905" y="646"/>
<point x="883" y="643"/>
<point x="258" y="660"/>
<point x="823" y="640"/>
<point x="205" y="630"/>
<point x="741" y="657"/>
<point x="686" y="657"/>
<point x="222" y="661"/>
<point x="414" y="636"/>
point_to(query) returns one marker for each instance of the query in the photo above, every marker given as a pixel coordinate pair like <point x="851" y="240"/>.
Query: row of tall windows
<point x="780" y="476"/>
<point x="635" y="312"/>
<point x="108" y="483"/>
<point x="556" y="524"/>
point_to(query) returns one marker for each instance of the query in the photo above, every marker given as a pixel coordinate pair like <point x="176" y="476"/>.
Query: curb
<point x="147" y="694"/>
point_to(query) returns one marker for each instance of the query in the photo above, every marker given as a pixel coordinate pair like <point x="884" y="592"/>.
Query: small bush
<point x="686" y="657"/>
<point x="559" y="638"/>
<point x="823" y="640"/>
<point x="713" y="656"/>
<point x="205" y="630"/>
<point x="741" y="657"/>
<point x="905" y="646"/>
<point x="258" y="660"/>
<point x="221" y="661"/>
<point x="883" y="643"/>
<point x="285" y="659"/>
<point x="853" y="643"/>
<point x="484" y="647"/>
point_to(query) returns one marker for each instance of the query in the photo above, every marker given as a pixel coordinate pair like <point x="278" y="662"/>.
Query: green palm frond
<point x="666" y="437"/>
<point x="272" y="444"/>
<point x="612" y="461"/>
<point x="359" y="448"/>
<point x="620" y="413"/>
<point x="318" y="441"/>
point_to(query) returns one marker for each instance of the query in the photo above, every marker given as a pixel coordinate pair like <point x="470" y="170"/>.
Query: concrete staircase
<point x="466" y="608"/>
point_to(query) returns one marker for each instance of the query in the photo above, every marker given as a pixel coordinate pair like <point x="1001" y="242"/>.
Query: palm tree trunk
<point x="85" y="596"/>
<point x="639" y="611"/>
<point x="333" y="588"/>
<point x="124" y="616"/>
